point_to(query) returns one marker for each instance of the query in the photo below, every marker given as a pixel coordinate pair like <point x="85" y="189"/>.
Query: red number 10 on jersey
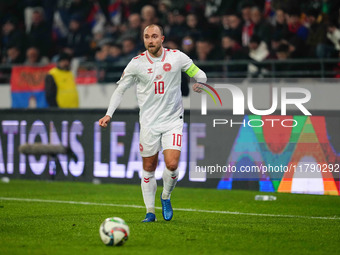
<point x="159" y="87"/>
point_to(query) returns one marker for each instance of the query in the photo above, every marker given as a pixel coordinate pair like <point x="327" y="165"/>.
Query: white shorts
<point x="153" y="139"/>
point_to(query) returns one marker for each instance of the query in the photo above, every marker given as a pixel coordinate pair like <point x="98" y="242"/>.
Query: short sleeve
<point x="186" y="62"/>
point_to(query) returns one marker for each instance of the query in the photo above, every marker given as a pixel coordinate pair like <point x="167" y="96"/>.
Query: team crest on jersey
<point x="167" y="67"/>
<point x="150" y="70"/>
<point x="140" y="147"/>
<point x="158" y="77"/>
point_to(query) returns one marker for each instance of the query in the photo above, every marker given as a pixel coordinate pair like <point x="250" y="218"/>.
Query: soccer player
<point x="157" y="73"/>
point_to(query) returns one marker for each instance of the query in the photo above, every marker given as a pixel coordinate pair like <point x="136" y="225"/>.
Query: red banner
<point x="86" y="77"/>
<point x="29" y="78"/>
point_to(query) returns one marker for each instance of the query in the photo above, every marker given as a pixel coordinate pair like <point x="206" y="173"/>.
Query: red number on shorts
<point x="159" y="87"/>
<point x="177" y="139"/>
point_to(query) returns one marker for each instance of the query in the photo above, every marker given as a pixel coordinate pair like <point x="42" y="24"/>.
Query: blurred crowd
<point x="36" y="31"/>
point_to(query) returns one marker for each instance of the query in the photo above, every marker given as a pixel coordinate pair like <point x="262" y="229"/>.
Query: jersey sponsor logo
<point x="167" y="67"/>
<point x="158" y="77"/>
<point x="140" y="147"/>
<point x="150" y="70"/>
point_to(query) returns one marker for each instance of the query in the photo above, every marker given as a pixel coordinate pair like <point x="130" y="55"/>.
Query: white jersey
<point x="158" y="86"/>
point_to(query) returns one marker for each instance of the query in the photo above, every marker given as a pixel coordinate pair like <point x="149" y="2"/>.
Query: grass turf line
<point x="50" y="228"/>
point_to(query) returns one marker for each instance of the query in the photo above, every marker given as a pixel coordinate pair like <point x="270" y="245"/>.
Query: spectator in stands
<point x="132" y="30"/>
<point x="217" y="7"/>
<point x="206" y="50"/>
<point x="262" y="28"/>
<point x="103" y="52"/>
<point x="282" y="52"/>
<point x="39" y="35"/>
<point x="171" y="44"/>
<point x="33" y="57"/>
<point x="283" y="69"/>
<point x="29" y="6"/>
<point x="280" y="24"/>
<point x="232" y="50"/>
<point x="60" y="87"/>
<point x="67" y="9"/>
<point x="214" y="29"/>
<point x="129" y="49"/>
<point x="149" y="16"/>
<point x="107" y="57"/>
<point x="170" y="23"/>
<point x="109" y="52"/>
<point x="188" y="47"/>
<point x="248" y="26"/>
<point x="179" y="28"/>
<point x="11" y="36"/>
<point x="275" y="43"/>
<point x="317" y="33"/>
<point x="333" y="34"/>
<point x="225" y="19"/>
<point x="115" y="52"/>
<point x="296" y="36"/>
<point x="164" y="7"/>
<point x="235" y="27"/>
<point x="96" y="39"/>
<point x="258" y="51"/>
<point x="295" y="27"/>
<point x="14" y="55"/>
<point x="78" y="38"/>
<point x="297" y="47"/>
<point x="230" y="46"/>
<point x="194" y="28"/>
<point x="135" y="23"/>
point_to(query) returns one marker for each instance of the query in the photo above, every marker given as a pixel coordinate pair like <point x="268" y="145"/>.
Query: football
<point x="114" y="231"/>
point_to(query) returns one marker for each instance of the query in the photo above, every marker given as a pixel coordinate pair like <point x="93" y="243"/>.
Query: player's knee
<point x="172" y="165"/>
<point x="149" y="166"/>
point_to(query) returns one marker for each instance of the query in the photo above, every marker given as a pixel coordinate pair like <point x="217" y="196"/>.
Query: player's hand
<point x="104" y="121"/>
<point x="197" y="87"/>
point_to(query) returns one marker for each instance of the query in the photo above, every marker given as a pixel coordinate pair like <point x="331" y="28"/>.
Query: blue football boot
<point x="166" y="209"/>
<point x="150" y="217"/>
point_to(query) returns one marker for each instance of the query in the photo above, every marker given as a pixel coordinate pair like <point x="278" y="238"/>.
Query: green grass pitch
<point x="256" y="227"/>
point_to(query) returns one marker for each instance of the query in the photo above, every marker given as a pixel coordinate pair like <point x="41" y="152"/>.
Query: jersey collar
<point x="150" y="58"/>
